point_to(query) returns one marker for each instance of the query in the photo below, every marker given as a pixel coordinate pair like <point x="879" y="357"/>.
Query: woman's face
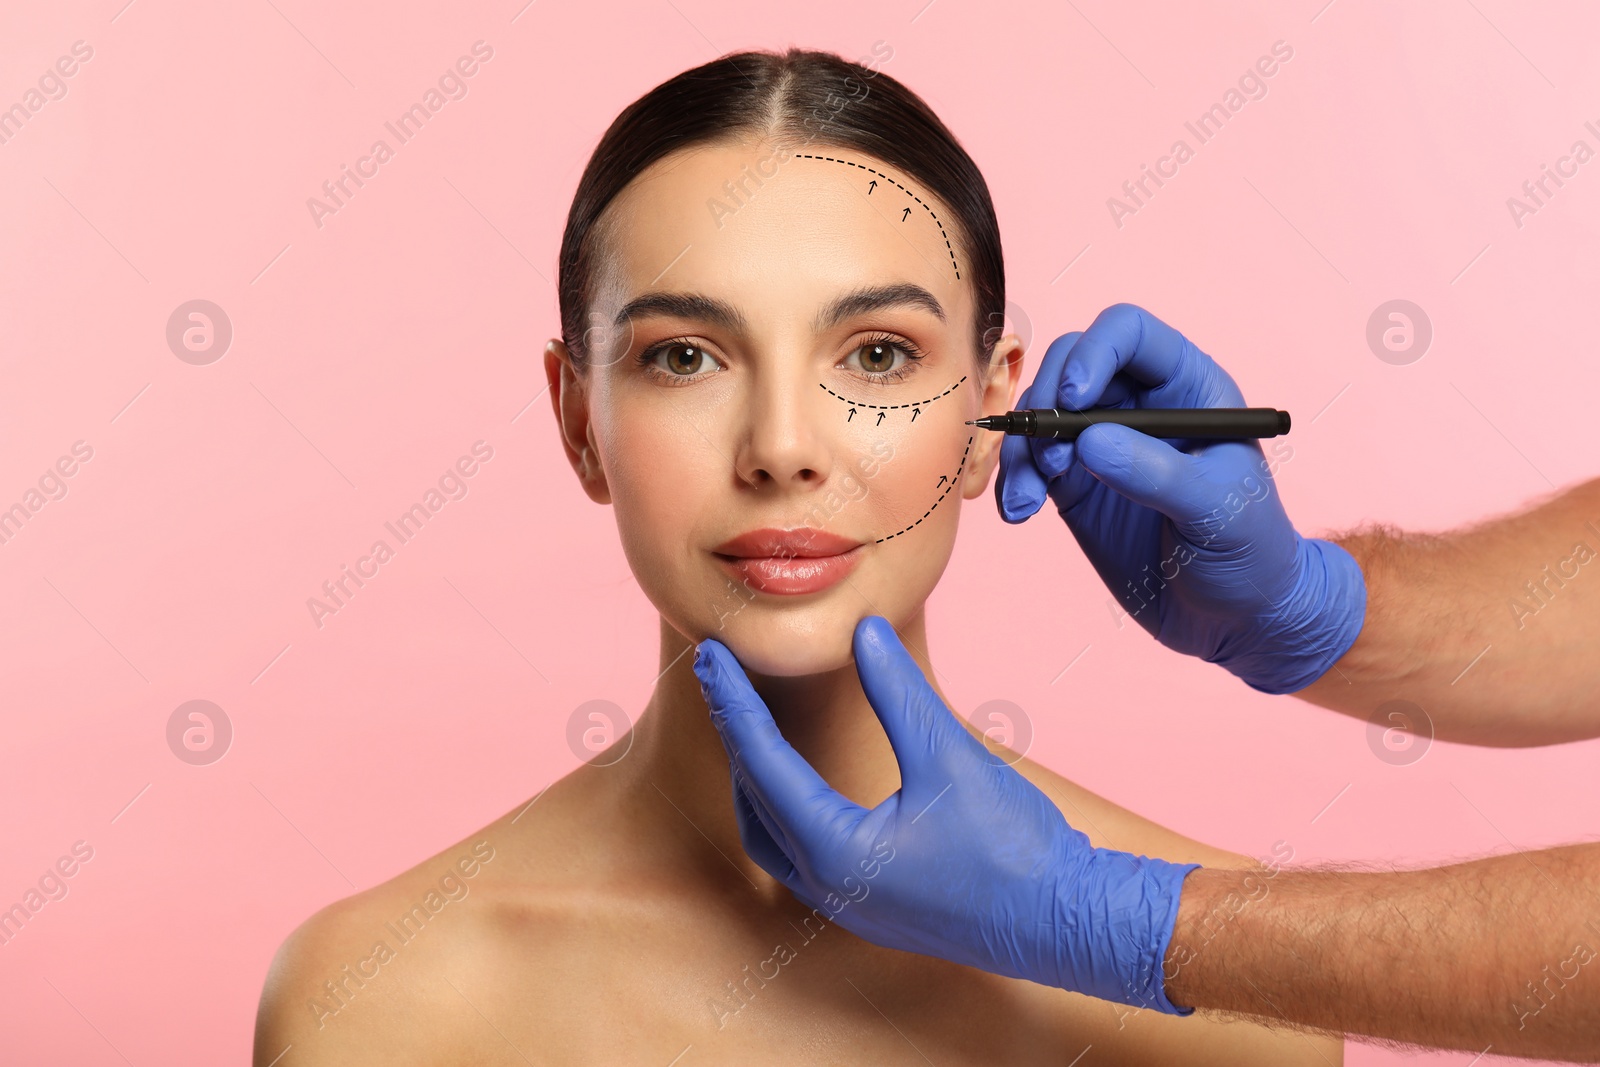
<point x="781" y="340"/>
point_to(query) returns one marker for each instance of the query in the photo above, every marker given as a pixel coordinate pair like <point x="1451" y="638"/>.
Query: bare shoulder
<point x="367" y="979"/>
<point x="1110" y="825"/>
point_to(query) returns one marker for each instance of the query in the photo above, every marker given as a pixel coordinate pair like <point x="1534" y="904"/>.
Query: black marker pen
<point x="1157" y="422"/>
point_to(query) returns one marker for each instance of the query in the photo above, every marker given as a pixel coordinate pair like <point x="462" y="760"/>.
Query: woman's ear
<point x="569" y="397"/>
<point x="999" y="395"/>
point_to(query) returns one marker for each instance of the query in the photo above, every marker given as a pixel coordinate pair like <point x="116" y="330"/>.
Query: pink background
<point x="369" y="354"/>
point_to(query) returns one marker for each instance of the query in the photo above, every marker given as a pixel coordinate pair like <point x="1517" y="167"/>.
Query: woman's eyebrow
<point x="877" y="298"/>
<point x="683" y="306"/>
<point x="725" y="315"/>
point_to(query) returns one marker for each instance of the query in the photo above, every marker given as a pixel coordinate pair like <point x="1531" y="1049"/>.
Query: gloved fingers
<point x="1051" y="456"/>
<point x="1019" y="486"/>
<point x="798" y="803"/>
<point x="922" y="731"/>
<point x="752" y="827"/>
<point x="1119" y="392"/>
<point x="762" y="841"/>
<point x="1020" y="489"/>
<point x="1126" y="339"/>
<point x="1055" y="456"/>
<point x="1152" y="473"/>
<point x="1122" y="338"/>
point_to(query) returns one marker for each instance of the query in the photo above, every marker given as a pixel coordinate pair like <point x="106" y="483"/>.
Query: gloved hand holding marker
<point x="986" y="871"/>
<point x="1167" y="529"/>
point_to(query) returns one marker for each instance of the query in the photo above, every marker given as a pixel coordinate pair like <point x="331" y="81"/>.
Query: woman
<point x="780" y="288"/>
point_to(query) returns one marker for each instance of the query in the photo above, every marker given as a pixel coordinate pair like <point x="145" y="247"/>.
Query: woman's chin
<point x="790" y="644"/>
<point x="790" y="662"/>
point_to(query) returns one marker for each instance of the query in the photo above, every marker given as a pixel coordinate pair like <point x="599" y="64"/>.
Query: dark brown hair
<point x="794" y="97"/>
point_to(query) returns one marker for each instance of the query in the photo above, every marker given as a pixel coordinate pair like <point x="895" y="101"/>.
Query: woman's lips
<point x="791" y="575"/>
<point x="795" y="561"/>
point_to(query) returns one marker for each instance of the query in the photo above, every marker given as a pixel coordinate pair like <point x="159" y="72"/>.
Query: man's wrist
<point x="1213" y="901"/>
<point x="1121" y="960"/>
<point x="1314" y="629"/>
<point x="1394" y="645"/>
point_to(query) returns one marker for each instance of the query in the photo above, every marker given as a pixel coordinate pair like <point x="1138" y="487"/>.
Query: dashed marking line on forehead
<point x="948" y="247"/>
<point x="948" y="482"/>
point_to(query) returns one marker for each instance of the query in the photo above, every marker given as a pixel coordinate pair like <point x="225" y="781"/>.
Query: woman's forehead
<point x="752" y="222"/>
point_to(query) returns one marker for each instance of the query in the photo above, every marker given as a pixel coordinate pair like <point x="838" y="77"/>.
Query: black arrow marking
<point x="936" y="503"/>
<point x="906" y="215"/>
<point x="850" y="416"/>
<point x="881" y="414"/>
<point x="873" y="184"/>
<point x="914" y="413"/>
<point x="890" y="407"/>
<point x="933" y="214"/>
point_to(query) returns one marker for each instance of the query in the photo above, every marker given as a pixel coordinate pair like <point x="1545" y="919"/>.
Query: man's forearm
<point x="1501" y="952"/>
<point x="1493" y="631"/>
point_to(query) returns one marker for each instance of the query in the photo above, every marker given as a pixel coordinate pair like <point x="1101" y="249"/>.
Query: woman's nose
<point x="782" y="441"/>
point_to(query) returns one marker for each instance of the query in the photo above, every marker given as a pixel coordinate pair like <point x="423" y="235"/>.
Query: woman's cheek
<point x="911" y="479"/>
<point x="911" y="512"/>
<point x="657" y="493"/>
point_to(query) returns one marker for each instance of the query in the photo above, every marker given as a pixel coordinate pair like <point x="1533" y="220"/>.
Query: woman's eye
<point x="681" y="362"/>
<point x="885" y="359"/>
<point x="680" y="359"/>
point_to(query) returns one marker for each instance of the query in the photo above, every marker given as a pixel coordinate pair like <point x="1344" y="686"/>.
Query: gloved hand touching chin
<point x="1193" y="540"/>
<point x="967" y="860"/>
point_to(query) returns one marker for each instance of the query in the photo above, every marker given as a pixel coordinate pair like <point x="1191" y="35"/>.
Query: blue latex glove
<point x="1194" y="543"/>
<point x="967" y="861"/>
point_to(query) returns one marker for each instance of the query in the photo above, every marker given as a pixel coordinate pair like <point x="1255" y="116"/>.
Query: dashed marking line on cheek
<point x="952" y="478"/>
<point x="881" y="408"/>
<point x="890" y="407"/>
<point x="916" y="407"/>
<point x="947" y="481"/>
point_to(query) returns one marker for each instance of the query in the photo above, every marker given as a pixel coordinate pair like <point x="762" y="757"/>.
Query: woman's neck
<point x="676" y="751"/>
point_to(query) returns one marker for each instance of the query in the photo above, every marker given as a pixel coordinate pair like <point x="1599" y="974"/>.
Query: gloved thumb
<point x="921" y="729"/>
<point x="1149" y="472"/>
